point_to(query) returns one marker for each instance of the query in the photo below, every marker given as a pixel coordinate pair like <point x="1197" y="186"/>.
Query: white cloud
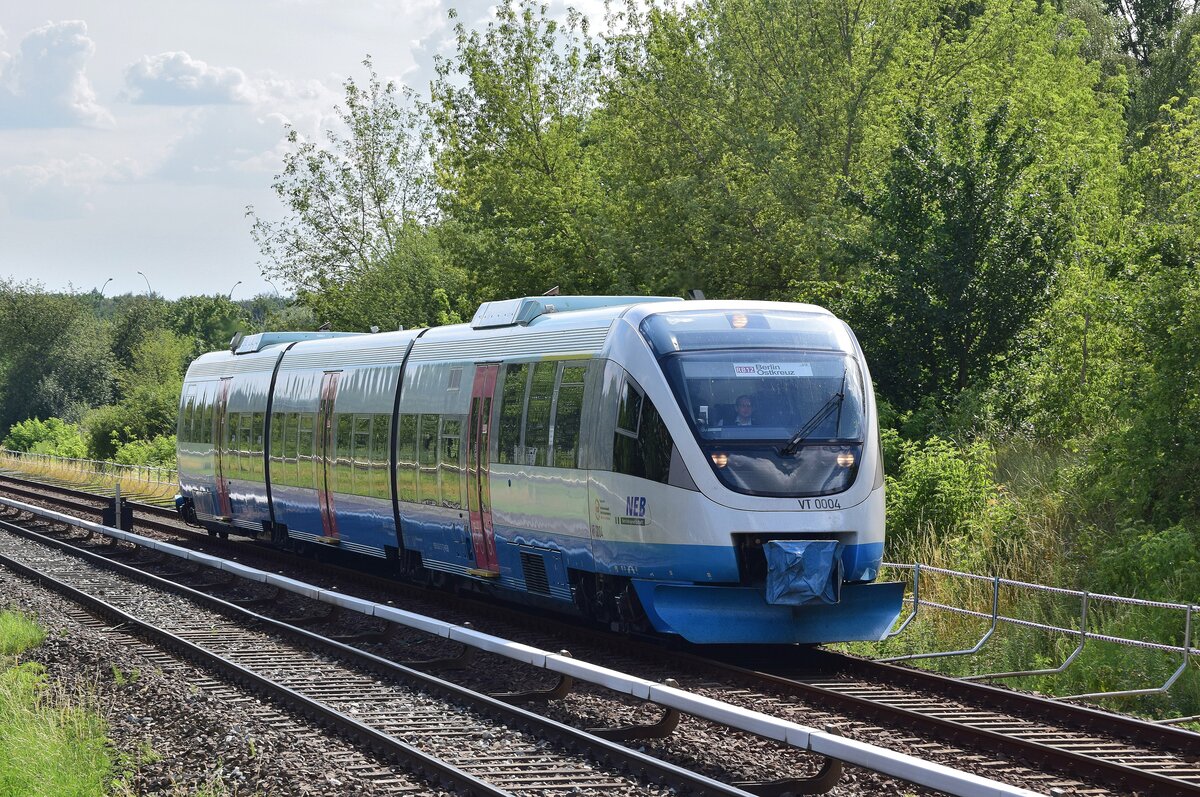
<point x="57" y="188"/>
<point x="44" y="84"/>
<point x="178" y="79"/>
<point x="225" y="145"/>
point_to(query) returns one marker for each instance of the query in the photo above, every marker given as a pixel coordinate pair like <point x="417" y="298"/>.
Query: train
<point x="698" y="469"/>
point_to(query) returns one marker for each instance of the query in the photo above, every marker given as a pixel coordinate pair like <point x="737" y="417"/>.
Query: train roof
<point x="563" y="317"/>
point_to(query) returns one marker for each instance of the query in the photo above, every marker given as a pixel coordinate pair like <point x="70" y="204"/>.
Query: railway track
<point x="453" y="737"/>
<point x="1048" y="744"/>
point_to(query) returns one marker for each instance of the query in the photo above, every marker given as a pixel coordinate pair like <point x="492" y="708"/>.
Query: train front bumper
<point x="706" y="614"/>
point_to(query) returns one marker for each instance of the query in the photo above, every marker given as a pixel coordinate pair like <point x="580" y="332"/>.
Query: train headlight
<point x="738" y="320"/>
<point x="845" y="459"/>
<point x="720" y="459"/>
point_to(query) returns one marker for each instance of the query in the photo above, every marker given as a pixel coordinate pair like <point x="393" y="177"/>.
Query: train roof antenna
<point x="325" y="327"/>
<point x="552" y="292"/>
<point x="695" y="294"/>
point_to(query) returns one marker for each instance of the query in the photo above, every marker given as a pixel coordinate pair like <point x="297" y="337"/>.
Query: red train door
<point x="479" y="491"/>
<point x="221" y="445"/>
<point x="326" y="454"/>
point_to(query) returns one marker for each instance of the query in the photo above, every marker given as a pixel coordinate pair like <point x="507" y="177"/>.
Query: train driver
<point x="745" y="412"/>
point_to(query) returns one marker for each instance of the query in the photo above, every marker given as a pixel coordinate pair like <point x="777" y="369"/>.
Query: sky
<point x="135" y="133"/>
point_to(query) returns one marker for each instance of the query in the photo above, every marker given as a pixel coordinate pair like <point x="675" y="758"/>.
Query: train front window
<point x="773" y="422"/>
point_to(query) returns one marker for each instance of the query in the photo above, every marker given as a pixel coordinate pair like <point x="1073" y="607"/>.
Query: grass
<point x="86" y="478"/>
<point x="18" y="633"/>
<point x="51" y="743"/>
<point x="1036" y="535"/>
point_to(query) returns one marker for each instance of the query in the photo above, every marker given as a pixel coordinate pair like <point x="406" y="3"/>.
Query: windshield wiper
<point x="834" y="402"/>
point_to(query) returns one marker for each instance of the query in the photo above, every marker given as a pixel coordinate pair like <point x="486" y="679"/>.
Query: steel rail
<point x="641" y="765"/>
<point x="1066" y="760"/>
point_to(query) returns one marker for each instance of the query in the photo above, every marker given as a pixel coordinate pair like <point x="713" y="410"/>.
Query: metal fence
<point x="1087" y="603"/>
<point x="150" y="475"/>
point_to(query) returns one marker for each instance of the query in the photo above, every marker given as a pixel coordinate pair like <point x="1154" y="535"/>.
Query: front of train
<point x="782" y="444"/>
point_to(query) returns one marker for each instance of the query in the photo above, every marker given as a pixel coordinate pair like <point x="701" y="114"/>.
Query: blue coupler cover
<point x="801" y="572"/>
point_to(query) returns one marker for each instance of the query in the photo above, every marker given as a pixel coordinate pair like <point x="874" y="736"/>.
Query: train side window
<point x="512" y="411"/>
<point x="287" y="433"/>
<point x="381" y="432"/>
<point x="304" y="450"/>
<point x="340" y="464"/>
<point x="406" y="458"/>
<point x="245" y="446"/>
<point x="257" y="445"/>
<point x="449" y="464"/>
<point x="427" y="477"/>
<point x="629" y="410"/>
<point x="277" y="426"/>
<point x="568" y="409"/>
<point x="187" y="416"/>
<point x="648" y="454"/>
<point x="228" y="446"/>
<point x="537" y="414"/>
<point x="206" y="424"/>
<point x="361" y="453"/>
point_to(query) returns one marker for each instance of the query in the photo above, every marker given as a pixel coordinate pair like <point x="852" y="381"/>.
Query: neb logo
<point x="635" y="505"/>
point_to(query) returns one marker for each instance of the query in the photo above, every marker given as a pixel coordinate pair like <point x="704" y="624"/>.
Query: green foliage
<point x="159" y="451"/>
<point x="55" y="361"/>
<point x="397" y="291"/>
<point x="964" y="251"/>
<point x="940" y="488"/>
<point x="207" y="322"/>
<point x="51" y="436"/>
<point x="520" y="192"/>
<point x="355" y="204"/>
<point x="18" y="633"/>
<point x="49" y="743"/>
<point x="1152" y="564"/>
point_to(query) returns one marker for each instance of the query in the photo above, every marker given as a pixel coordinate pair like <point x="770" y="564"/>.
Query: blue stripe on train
<point x="441" y="536"/>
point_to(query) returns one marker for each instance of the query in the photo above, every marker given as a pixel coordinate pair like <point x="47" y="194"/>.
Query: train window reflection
<point x="381" y="430"/>
<point x="537" y="415"/>
<point x="305" y="476"/>
<point x="568" y="410"/>
<point x="449" y="465"/>
<point x="648" y="455"/>
<point x="427" y="460"/>
<point x="406" y="458"/>
<point x="512" y="410"/>
<point x="629" y="410"/>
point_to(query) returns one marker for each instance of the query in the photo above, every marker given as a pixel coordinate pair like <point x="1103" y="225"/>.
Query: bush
<point x="159" y="451"/>
<point x="940" y="487"/>
<point x="52" y="436"/>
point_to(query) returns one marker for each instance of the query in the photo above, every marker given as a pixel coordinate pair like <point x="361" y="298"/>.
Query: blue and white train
<point x="703" y="469"/>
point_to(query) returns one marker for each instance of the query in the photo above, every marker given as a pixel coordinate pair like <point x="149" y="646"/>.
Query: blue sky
<point x="133" y="134"/>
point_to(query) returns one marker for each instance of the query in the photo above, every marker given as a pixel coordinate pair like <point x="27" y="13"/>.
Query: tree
<point x="352" y="197"/>
<point x="1146" y="25"/>
<point x="963" y="253"/>
<point x="399" y="291"/>
<point x="208" y="322"/>
<point x="149" y="404"/>
<point x="55" y="359"/>
<point x="521" y="200"/>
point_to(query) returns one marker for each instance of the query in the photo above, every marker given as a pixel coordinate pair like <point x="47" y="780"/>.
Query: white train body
<point x="584" y="452"/>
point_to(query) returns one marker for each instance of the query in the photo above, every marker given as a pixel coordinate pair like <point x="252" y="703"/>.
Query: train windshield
<point x="782" y="416"/>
